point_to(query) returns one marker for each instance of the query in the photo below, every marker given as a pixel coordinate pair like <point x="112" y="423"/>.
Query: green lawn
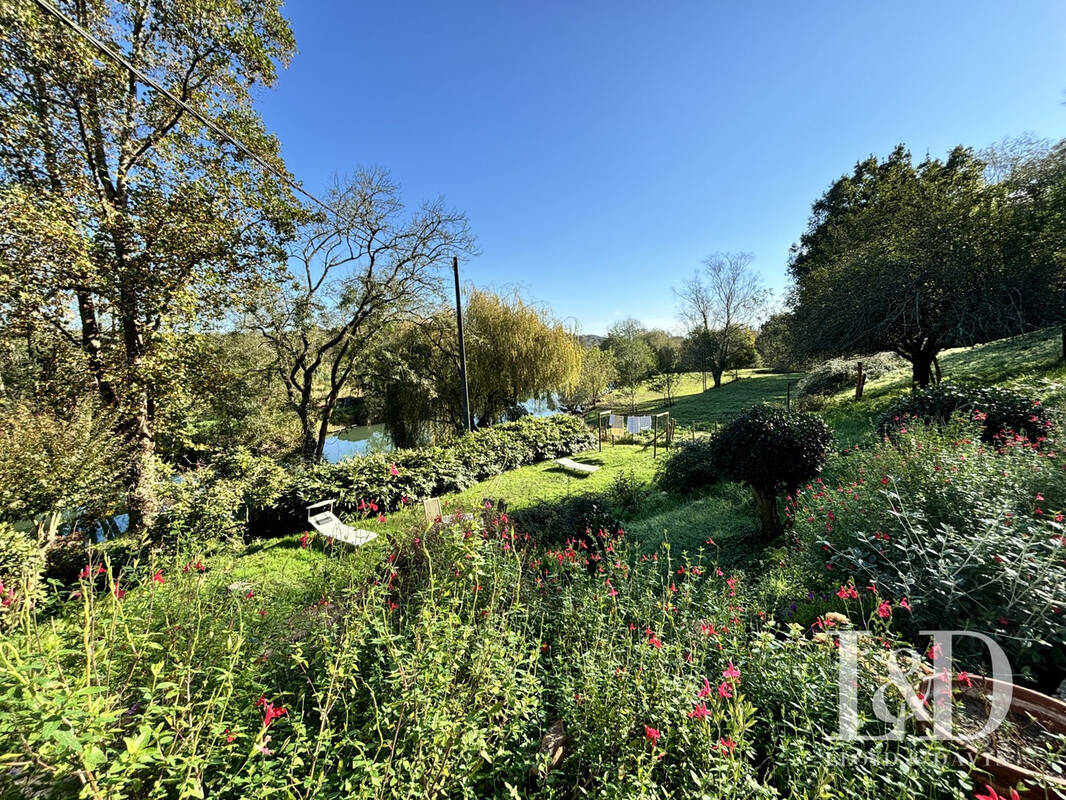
<point x="693" y="405"/>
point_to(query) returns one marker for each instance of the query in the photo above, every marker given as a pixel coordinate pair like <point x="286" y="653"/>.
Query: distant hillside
<point x="591" y="339"/>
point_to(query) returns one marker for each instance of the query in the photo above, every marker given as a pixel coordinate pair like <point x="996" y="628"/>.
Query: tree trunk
<point x="717" y="375"/>
<point x="769" y="518"/>
<point x="921" y="368"/>
<point x="140" y="478"/>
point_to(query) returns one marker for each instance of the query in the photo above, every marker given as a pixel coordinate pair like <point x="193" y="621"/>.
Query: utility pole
<point x="462" y="347"/>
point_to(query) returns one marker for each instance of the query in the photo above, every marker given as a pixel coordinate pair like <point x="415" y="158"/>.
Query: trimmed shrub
<point x="431" y="471"/>
<point x="999" y="412"/>
<point x="690" y="467"/>
<point x="772" y="450"/>
<point x="836" y="374"/>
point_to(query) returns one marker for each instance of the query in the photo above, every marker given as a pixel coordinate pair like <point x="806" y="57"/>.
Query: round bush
<point x="770" y="450"/>
<point x="1000" y="412"/>
<point x="773" y="449"/>
<point x="690" y="467"/>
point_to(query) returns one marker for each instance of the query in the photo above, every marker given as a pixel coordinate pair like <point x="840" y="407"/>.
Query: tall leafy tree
<point x="125" y="217"/>
<point x="913" y="258"/>
<point x="634" y="360"/>
<point x="515" y="350"/>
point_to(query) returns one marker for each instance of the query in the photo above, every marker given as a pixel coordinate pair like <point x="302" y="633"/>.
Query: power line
<point x="74" y="26"/>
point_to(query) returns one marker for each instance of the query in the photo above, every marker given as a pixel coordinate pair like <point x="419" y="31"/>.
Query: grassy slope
<point x="693" y="405"/>
<point x="1027" y="363"/>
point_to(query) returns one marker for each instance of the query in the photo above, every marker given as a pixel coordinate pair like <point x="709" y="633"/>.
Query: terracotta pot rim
<point x="993" y="764"/>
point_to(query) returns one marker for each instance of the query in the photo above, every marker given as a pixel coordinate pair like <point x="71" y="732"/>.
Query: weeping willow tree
<point x="514" y="349"/>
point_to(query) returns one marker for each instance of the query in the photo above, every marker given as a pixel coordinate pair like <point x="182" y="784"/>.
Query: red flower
<point x="249" y="594"/>
<point x="726" y="745"/>
<point x="381" y="517"/>
<point x="904" y="604"/>
<point x="158" y="577"/>
<point x="229" y="737"/>
<point x="724" y="690"/>
<point x="393" y="471"/>
<point x="884" y="610"/>
<point x="305" y="539"/>
<point x="699" y="712"/>
<point x="706" y="690"/>
<point x="652" y="735"/>
<point x="994" y="795"/>
<point x="119" y="593"/>
<point x="270" y="711"/>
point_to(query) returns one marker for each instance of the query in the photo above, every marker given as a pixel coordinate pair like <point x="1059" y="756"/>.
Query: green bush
<point x="581" y="517"/>
<point x="1000" y="412"/>
<point x="21" y="565"/>
<point x="772" y="450"/>
<point x="971" y="535"/>
<point x="836" y="374"/>
<point x="218" y="504"/>
<point x="431" y="471"/>
<point x="691" y="466"/>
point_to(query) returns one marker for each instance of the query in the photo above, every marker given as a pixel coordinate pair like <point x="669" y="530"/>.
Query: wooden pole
<point x="860" y="381"/>
<point x="467" y="421"/>
<point x="788" y="396"/>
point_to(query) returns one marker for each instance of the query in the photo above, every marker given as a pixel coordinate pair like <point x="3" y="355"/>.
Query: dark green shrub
<point x="1000" y="412"/>
<point x="218" y="504"/>
<point x="576" y="518"/>
<point x="772" y="450"/>
<point x="836" y="374"/>
<point x="627" y="494"/>
<point x="688" y="468"/>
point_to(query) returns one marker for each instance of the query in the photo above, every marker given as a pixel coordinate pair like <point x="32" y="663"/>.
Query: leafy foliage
<point x="972" y="535"/>
<point x="769" y="448"/>
<point x="916" y="258"/>
<point x="692" y="466"/>
<point x="831" y="376"/>
<point x="1000" y="413"/>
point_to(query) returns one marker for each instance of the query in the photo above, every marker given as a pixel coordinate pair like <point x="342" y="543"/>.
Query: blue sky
<point x="601" y="149"/>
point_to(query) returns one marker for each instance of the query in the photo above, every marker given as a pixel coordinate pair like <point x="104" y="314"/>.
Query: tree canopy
<point x="914" y="258"/>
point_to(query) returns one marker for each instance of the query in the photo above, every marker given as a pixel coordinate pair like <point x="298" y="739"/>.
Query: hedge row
<point x="431" y="471"/>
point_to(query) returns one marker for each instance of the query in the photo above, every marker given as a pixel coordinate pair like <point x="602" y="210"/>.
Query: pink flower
<point x="381" y="518"/>
<point x="724" y="690"/>
<point x="904" y="604"/>
<point x="706" y="690"/>
<point x="732" y="672"/>
<point x="393" y="471"/>
<point x="884" y="611"/>
<point x="652" y="735"/>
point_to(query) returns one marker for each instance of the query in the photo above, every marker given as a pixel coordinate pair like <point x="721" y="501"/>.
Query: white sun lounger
<point x="569" y="463"/>
<point x="323" y="520"/>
